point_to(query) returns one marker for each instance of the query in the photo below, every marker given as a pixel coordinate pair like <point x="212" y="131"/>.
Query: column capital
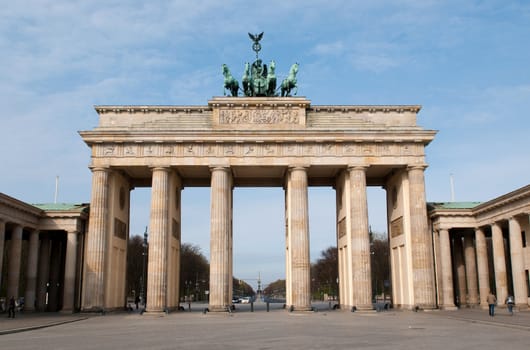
<point x="99" y="168"/>
<point x="422" y="166"/>
<point x="303" y="167"/>
<point x="34" y="231"/>
<point x="362" y="167"/>
<point x="160" y="168"/>
<point x="220" y="167"/>
<point x="495" y="224"/>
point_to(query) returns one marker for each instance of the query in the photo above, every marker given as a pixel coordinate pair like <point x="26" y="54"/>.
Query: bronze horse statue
<point x="246" y="81"/>
<point x="289" y="83"/>
<point x="230" y="83"/>
<point x="271" y="79"/>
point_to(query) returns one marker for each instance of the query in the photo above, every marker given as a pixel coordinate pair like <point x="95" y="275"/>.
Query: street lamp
<point x="188" y="285"/>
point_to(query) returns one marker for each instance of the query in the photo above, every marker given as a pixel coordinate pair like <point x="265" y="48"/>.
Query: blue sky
<point x="465" y="62"/>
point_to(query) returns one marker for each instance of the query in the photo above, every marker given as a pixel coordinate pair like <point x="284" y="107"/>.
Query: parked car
<point x="244" y="300"/>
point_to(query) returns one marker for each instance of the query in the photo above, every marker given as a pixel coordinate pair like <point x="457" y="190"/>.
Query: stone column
<point x="499" y="263"/>
<point x="299" y="240"/>
<point x="482" y="267"/>
<point x="220" y="239"/>
<point x="460" y="268"/>
<point x="158" y="243"/>
<point x="44" y="273"/>
<point x="69" y="272"/>
<point x="15" y="251"/>
<point x="518" y="270"/>
<point x="2" y="242"/>
<point x="471" y="271"/>
<point x="94" y="287"/>
<point x="360" y="240"/>
<point x="31" y="272"/>
<point x="447" y="270"/>
<point x="422" y="259"/>
<point x="55" y="286"/>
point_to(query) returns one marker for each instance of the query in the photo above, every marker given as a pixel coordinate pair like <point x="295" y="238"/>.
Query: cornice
<point x="256" y="102"/>
<point x="18" y="205"/>
<point x="152" y="109"/>
<point x="366" y="108"/>
<point x="101" y="135"/>
<point x="499" y="202"/>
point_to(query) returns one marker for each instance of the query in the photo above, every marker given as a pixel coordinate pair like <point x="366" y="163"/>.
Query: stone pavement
<point x="277" y="329"/>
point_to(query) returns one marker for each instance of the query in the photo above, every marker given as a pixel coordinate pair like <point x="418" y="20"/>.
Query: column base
<point x="293" y="308"/>
<point x="66" y="311"/>
<point x="154" y="313"/>
<point x="219" y="308"/>
<point x="94" y="309"/>
<point x="448" y="307"/>
<point x="358" y="308"/>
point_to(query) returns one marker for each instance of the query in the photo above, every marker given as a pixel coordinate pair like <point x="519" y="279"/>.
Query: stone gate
<point x="258" y="141"/>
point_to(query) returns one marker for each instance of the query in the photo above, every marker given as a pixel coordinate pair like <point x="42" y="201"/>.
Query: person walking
<point x="510" y="302"/>
<point x="11" y="308"/>
<point x="492" y="300"/>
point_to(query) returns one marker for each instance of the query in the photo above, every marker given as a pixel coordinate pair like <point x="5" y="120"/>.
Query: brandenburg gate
<point x="265" y="138"/>
<point x="258" y="141"/>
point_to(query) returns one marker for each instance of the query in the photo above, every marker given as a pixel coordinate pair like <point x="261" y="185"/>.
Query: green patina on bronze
<point x="259" y="80"/>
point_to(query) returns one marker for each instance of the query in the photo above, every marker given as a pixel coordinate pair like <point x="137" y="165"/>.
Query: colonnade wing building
<point x="41" y="253"/>
<point x="482" y="247"/>
<point x="440" y="256"/>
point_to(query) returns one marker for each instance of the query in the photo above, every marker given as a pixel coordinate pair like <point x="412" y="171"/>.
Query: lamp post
<point x="143" y="286"/>
<point x="188" y="285"/>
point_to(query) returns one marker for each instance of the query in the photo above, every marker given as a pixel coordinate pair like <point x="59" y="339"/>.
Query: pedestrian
<point x="137" y="301"/>
<point x="492" y="300"/>
<point x="510" y="302"/>
<point x="11" y="308"/>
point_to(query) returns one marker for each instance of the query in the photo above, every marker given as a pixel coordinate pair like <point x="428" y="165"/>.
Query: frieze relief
<point x="259" y="116"/>
<point x="229" y="149"/>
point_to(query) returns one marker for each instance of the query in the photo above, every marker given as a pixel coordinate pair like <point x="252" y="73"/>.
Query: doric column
<point x="360" y="239"/>
<point x="44" y="273"/>
<point x="518" y="270"/>
<point x="499" y="263"/>
<point x="69" y="272"/>
<point x="422" y="259"/>
<point x="471" y="270"/>
<point x="55" y="286"/>
<point x="300" y="281"/>
<point x="447" y="270"/>
<point x="482" y="267"/>
<point x="158" y="244"/>
<point x="460" y="269"/>
<point x="220" y="239"/>
<point x="31" y="272"/>
<point x="2" y="242"/>
<point x="15" y="251"/>
<point x="93" y="289"/>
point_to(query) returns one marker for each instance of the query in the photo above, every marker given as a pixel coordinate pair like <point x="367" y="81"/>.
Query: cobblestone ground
<point x="277" y="329"/>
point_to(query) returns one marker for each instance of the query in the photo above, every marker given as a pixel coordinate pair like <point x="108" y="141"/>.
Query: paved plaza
<point x="277" y="329"/>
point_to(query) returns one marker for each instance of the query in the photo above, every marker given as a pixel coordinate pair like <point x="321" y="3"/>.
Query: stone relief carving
<point x="252" y="149"/>
<point x="342" y="228"/>
<point x="396" y="227"/>
<point x="258" y="116"/>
